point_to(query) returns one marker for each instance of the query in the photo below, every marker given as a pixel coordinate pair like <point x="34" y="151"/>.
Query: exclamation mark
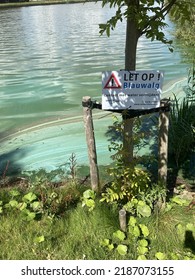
<point x="112" y="81"/>
<point x="158" y="76"/>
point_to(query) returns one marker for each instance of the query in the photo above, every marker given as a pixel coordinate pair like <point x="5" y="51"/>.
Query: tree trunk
<point x="132" y="35"/>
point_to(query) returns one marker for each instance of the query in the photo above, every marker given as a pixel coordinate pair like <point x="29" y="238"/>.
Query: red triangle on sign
<point x="112" y="82"/>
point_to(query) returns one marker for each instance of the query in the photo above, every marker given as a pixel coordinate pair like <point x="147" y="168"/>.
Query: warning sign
<point x="112" y="82"/>
<point x="131" y="89"/>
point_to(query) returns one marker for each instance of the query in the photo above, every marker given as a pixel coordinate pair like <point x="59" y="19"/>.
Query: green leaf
<point x="143" y="209"/>
<point x="144" y="229"/>
<point x="36" y="205"/>
<point x="119" y="235"/>
<point x="122" y="249"/>
<point x="105" y="242"/>
<point x="110" y="247"/>
<point x="90" y="203"/>
<point x="1" y="209"/>
<point x="142" y="250"/>
<point x="14" y="193"/>
<point x="136" y="231"/>
<point x="28" y="215"/>
<point x="21" y="206"/>
<point x="160" y="256"/>
<point x="13" y="203"/>
<point x="89" y="194"/>
<point x="180" y="201"/>
<point x="132" y="221"/>
<point x="29" y="197"/>
<point x="108" y="30"/>
<point x="143" y="243"/>
<point x="39" y="239"/>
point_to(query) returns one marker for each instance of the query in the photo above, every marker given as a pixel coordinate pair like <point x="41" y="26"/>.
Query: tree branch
<point x="164" y="11"/>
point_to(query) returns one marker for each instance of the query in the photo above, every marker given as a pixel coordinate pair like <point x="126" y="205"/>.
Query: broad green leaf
<point x="29" y="197"/>
<point x="122" y="249"/>
<point x="160" y="256"/>
<point x="119" y="235"/>
<point x="105" y="242"/>
<point x="27" y="215"/>
<point x="14" y="193"/>
<point x="132" y="221"/>
<point x="90" y="203"/>
<point x="39" y="239"/>
<point x="22" y="205"/>
<point x="142" y="250"/>
<point x="174" y="256"/>
<point x="30" y="216"/>
<point x="36" y="205"/>
<point x="1" y="209"/>
<point x="143" y="243"/>
<point x="134" y="231"/>
<point x="180" y="201"/>
<point x="144" y="229"/>
<point x="143" y="209"/>
<point x="110" y="247"/>
<point x="13" y="203"/>
<point x="89" y="194"/>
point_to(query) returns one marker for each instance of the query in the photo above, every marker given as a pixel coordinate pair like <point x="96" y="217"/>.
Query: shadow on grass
<point x="189" y="242"/>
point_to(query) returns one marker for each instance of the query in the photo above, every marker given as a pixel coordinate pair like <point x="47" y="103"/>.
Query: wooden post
<point x="163" y="144"/>
<point x="122" y="220"/>
<point x="89" y="131"/>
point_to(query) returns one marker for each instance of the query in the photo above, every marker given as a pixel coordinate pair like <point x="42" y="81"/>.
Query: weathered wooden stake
<point x="89" y="131"/>
<point x="122" y="220"/>
<point x="163" y="144"/>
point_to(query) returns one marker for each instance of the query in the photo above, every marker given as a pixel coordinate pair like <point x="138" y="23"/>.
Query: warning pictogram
<point x="112" y="82"/>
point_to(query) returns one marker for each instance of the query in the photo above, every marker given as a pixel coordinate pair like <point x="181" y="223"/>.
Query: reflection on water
<point x="50" y="57"/>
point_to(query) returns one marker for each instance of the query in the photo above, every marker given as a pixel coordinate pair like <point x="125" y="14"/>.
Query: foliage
<point x="139" y="239"/>
<point x="122" y="242"/>
<point x="126" y="184"/>
<point x="138" y="208"/>
<point x="149" y="16"/>
<point x="40" y="201"/>
<point x="75" y="233"/>
<point x="182" y="130"/>
<point x="88" y="199"/>
<point x="185" y="28"/>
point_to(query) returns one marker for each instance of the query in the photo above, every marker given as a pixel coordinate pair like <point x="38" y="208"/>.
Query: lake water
<point x="50" y="57"/>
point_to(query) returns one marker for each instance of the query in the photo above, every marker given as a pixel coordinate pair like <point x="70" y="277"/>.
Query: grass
<point x="67" y="231"/>
<point x="164" y="233"/>
<point x="77" y="233"/>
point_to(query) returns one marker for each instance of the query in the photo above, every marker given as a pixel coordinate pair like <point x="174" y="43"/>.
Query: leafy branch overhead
<point x="148" y="16"/>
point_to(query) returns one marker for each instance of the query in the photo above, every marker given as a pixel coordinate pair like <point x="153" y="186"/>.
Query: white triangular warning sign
<point x="112" y="82"/>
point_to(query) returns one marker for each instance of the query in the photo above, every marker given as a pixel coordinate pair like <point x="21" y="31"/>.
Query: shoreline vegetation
<point x="41" y="3"/>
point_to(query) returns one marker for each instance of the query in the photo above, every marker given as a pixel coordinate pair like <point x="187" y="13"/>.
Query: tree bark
<point x="163" y="146"/>
<point x="90" y="138"/>
<point x="132" y="36"/>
